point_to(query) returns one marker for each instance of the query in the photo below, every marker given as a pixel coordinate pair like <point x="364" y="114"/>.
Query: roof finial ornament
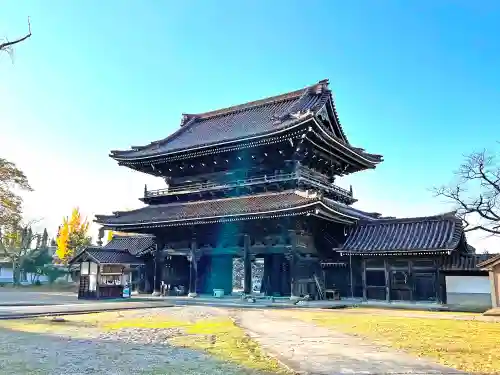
<point x="185" y="119"/>
<point x="321" y="86"/>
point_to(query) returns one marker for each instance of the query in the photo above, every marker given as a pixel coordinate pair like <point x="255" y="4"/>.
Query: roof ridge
<point x="135" y="235"/>
<point x="96" y="248"/>
<point x="447" y="215"/>
<point x="188" y="119"/>
<point x="256" y="103"/>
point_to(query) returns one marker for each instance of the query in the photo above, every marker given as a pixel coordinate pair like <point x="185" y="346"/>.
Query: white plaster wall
<point x="468" y="284"/>
<point x="6" y="276"/>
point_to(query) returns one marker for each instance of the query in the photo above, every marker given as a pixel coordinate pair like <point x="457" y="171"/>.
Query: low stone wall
<point x="480" y="300"/>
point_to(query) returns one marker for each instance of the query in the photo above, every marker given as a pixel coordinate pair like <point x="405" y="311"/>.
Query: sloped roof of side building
<point x="420" y="235"/>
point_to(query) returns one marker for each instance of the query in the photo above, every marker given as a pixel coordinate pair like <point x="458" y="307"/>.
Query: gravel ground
<point x="86" y="350"/>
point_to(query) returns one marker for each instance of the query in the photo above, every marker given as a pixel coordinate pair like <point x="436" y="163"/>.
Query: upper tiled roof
<point x="226" y="209"/>
<point x="411" y="235"/>
<point x="464" y="262"/>
<point x="240" y="122"/>
<point x="134" y="244"/>
<point x="106" y="256"/>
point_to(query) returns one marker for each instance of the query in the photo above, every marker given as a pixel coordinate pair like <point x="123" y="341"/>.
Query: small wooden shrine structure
<point x="105" y="273"/>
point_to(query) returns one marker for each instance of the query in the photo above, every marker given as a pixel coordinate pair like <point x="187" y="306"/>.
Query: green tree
<point x="11" y="180"/>
<point x="38" y="259"/>
<point x="15" y="245"/>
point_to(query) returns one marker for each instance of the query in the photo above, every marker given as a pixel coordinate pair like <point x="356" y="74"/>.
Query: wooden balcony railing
<point x="302" y="173"/>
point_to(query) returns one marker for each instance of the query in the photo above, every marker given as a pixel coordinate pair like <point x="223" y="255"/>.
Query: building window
<point x="84" y="268"/>
<point x="375" y="278"/>
<point x="400" y="279"/>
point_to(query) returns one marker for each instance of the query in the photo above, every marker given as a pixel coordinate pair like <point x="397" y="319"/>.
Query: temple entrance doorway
<point x="239" y="274"/>
<point x="215" y="272"/>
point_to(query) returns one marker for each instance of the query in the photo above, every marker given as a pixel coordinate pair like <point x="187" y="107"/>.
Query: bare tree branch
<point x="476" y="194"/>
<point x="7" y="46"/>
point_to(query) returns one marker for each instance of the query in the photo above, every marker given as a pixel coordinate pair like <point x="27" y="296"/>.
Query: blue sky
<point x="416" y="81"/>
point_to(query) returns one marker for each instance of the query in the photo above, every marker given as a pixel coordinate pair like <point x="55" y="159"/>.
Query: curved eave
<point x="295" y="129"/>
<point x="206" y="220"/>
<point x="332" y="107"/>
<point x="316" y="207"/>
<point x="369" y="160"/>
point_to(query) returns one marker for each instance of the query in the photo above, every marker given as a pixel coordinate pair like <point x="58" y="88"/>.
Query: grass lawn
<point x="468" y="345"/>
<point x="217" y="336"/>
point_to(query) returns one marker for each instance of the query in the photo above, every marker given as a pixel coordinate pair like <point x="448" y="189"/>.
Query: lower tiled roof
<point x="411" y="235"/>
<point x="464" y="262"/>
<point x="351" y="211"/>
<point x="224" y="209"/>
<point x="110" y="256"/>
<point x="134" y="244"/>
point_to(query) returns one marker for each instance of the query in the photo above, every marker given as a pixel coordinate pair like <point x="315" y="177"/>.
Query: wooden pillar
<point x="148" y="272"/>
<point x="265" y="286"/>
<point x="193" y="269"/>
<point x="98" y="281"/>
<point x="494" y="287"/>
<point x="387" y="281"/>
<point x="292" y="258"/>
<point x="411" y="279"/>
<point x="363" y="278"/>
<point x="158" y="267"/>
<point x="247" y="265"/>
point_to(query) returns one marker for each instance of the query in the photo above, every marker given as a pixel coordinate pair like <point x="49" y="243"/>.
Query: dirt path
<point x="309" y="349"/>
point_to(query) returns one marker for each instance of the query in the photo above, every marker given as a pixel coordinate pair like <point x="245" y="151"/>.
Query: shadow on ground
<point x="42" y="353"/>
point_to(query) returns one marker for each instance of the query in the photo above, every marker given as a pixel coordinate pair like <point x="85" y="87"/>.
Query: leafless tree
<point x="477" y="192"/>
<point x="7" y="45"/>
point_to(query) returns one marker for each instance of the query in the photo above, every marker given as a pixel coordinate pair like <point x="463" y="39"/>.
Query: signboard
<point x="126" y="291"/>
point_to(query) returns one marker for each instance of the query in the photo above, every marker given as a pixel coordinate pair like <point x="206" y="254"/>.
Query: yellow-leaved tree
<point x="110" y="235"/>
<point x="72" y="236"/>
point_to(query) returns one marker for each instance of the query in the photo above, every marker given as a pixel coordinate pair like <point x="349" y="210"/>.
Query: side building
<point x="258" y="180"/>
